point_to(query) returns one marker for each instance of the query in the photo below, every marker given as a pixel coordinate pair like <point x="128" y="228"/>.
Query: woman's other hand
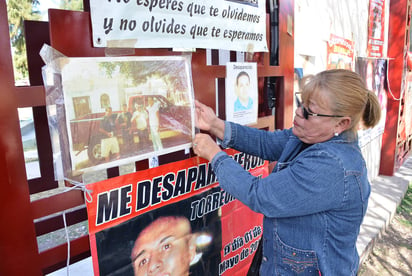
<point x="207" y="120"/>
<point x="205" y="147"/>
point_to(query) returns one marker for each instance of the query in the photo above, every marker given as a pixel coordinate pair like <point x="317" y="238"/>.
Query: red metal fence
<point x="25" y="220"/>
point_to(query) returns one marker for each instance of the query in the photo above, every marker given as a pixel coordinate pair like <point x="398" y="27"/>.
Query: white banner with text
<point x="237" y="25"/>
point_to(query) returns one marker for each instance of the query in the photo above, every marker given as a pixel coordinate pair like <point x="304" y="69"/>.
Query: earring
<point x="336" y="133"/>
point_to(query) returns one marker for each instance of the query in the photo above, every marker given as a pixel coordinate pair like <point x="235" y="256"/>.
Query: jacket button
<point x="264" y="259"/>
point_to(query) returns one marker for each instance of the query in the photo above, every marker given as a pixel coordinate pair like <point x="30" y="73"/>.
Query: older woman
<point x="316" y="197"/>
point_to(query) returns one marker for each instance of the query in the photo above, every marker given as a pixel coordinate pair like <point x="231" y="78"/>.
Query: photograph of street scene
<point x="124" y="109"/>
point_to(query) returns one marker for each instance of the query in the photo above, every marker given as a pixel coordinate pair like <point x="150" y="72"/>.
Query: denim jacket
<point x="313" y="202"/>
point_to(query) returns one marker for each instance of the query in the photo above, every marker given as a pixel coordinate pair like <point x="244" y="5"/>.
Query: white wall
<point x="315" y="21"/>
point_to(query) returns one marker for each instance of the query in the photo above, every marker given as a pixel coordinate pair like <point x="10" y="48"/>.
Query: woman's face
<point x="315" y="129"/>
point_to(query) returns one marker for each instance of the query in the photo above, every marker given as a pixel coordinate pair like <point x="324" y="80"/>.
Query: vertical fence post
<point x="18" y="246"/>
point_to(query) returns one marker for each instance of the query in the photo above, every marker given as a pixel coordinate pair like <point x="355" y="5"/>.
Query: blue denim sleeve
<point x="313" y="183"/>
<point x="217" y="159"/>
<point x="265" y="144"/>
<point x="227" y="136"/>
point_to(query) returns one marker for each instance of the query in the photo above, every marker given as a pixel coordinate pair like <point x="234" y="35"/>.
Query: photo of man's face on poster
<point x="162" y="242"/>
<point x="165" y="246"/>
<point x="241" y="92"/>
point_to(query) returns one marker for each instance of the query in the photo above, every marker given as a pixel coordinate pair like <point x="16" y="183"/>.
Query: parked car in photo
<point x="175" y="123"/>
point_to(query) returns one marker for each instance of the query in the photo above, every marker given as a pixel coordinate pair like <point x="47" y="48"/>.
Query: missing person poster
<point x="374" y="72"/>
<point x="340" y="53"/>
<point x="173" y="219"/>
<point x="405" y="128"/>
<point x="123" y="109"/>
<point x="376" y="28"/>
<point x="238" y="25"/>
<point x="241" y="92"/>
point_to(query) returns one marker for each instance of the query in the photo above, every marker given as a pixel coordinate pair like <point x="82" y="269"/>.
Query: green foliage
<point x="139" y="72"/>
<point x="405" y="208"/>
<point x="74" y="5"/>
<point x="18" y="11"/>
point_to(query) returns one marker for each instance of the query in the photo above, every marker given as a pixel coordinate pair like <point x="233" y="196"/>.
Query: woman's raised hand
<point x="205" y="116"/>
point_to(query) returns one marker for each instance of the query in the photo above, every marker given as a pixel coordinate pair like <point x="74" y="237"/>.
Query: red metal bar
<point x="18" y="249"/>
<point x="28" y="96"/>
<point x="396" y="77"/>
<point x="56" y="223"/>
<point x="58" y="203"/>
<point x="284" y="106"/>
<point x="56" y="257"/>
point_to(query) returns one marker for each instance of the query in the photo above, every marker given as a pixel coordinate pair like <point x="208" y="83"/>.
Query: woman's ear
<point x="343" y="124"/>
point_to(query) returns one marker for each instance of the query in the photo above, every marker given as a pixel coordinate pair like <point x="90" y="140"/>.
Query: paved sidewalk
<point x="387" y="193"/>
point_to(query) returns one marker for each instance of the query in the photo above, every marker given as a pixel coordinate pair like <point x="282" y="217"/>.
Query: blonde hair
<point x="347" y="94"/>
